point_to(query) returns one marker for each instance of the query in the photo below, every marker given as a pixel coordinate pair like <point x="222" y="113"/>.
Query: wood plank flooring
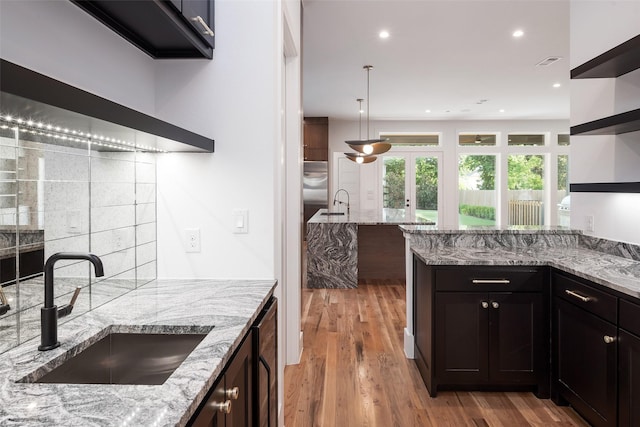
<point x="353" y="372"/>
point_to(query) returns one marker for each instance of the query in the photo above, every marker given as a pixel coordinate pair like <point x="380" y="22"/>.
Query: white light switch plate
<point x="192" y="239"/>
<point x="240" y="221"/>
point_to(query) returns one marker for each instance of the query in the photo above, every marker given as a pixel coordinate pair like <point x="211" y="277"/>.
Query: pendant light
<point x="360" y="157"/>
<point x="367" y="146"/>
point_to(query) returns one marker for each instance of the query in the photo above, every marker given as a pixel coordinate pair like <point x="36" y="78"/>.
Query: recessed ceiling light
<point x="502" y="110"/>
<point x="557" y="85"/>
<point x="518" y="33"/>
<point x="427" y="111"/>
<point x="384" y="34"/>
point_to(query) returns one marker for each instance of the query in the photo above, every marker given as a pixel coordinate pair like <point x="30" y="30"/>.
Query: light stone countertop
<point x="610" y="271"/>
<point x="364" y="217"/>
<point x="229" y="306"/>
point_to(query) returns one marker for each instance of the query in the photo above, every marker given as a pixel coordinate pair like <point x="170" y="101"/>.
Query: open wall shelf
<point x="605" y="187"/>
<point x="620" y="60"/>
<point x="628" y="121"/>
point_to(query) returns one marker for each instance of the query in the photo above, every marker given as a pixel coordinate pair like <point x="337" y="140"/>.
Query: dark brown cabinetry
<point x="629" y="365"/>
<point x="228" y="403"/>
<point x="245" y="395"/>
<point x="479" y="327"/>
<point x="160" y="28"/>
<point x="585" y="350"/>
<point x="316" y="138"/>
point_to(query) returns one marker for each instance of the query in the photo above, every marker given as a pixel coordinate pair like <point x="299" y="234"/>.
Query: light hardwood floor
<point x="353" y="372"/>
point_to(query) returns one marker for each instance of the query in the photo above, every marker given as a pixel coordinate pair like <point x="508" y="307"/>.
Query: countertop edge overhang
<point x="610" y="271"/>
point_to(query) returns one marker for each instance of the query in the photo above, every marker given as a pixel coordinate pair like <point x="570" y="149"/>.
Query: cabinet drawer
<point x="630" y="317"/>
<point x="586" y="297"/>
<point x="490" y="279"/>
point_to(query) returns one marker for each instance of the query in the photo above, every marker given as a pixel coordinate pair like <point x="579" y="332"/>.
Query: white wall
<point x="597" y="26"/>
<point x="235" y="100"/>
<point x="60" y="40"/>
<point x="370" y="188"/>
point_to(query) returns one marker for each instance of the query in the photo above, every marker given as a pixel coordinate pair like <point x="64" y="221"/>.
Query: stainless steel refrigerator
<point x="315" y="184"/>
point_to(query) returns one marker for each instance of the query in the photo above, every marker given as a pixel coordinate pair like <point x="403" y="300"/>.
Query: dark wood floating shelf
<point x="628" y="121"/>
<point x="605" y="187"/>
<point x="620" y="60"/>
<point x="25" y="83"/>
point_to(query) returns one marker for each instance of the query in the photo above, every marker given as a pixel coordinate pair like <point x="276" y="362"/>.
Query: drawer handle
<point x="206" y="30"/>
<point x="495" y="304"/>
<point x="608" y="339"/>
<point x="485" y="304"/>
<point x="232" y="393"/>
<point x="490" y="281"/>
<point x="225" y="407"/>
<point x="577" y="295"/>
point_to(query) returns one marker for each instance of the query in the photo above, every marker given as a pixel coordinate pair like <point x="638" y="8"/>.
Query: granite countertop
<point x="512" y="229"/>
<point x="196" y="306"/>
<point x="613" y="272"/>
<point x="365" y="217"/>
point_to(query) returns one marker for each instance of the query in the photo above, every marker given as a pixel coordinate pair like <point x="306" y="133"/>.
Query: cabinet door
<point x="629" y="377"/>
<point x="516" y="338"/>
<point x="586" y="364"/>
<point x="461" y="337"/>
<point x="316" y="138"/>
<point x="239" y="374"/>
<point x="211" y="412"/>
<point x="192" y="9"/>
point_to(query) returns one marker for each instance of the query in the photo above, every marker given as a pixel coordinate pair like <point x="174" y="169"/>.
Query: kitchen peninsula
<point x="343" y="247"/>
<point x="549" y="310"/>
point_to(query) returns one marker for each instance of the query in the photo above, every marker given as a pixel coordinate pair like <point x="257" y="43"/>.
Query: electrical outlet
<point x="588" y="223"/>
<point x="192" y="239"/>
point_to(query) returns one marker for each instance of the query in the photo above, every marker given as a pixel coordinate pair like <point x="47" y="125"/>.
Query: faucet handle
<point x="66" y="309"/>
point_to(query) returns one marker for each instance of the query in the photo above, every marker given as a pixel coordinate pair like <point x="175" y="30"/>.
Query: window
<point x="563" y="139"/>
<point x="526" y="139"/>
<point x="411" y="140"/>
<point x="525" y="183"/>
<point x="475" y="139"/>
<point x="477" y="190"/>
<point x="563" y="199"/>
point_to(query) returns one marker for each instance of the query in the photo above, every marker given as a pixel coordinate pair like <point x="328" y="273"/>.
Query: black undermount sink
<point x="331" y="213"/>
<point x="125" y="358"/>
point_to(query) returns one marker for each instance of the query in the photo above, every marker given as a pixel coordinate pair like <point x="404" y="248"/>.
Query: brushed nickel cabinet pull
<point x="206" y="30"/>
<point x="495" y="305"/>
<point x="577" y="295"/>
<point x="609" y="339"/>
<point x="232" y="393"/>
<point x="224" y="407"/>
<point x="485" y="304"/>
<point x="490" y="281"/>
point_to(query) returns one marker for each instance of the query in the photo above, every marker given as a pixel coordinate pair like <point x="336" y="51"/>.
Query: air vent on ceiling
<point x="548" y="61"/>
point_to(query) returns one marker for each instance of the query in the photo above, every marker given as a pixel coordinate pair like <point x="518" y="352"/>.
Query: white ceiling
<point x="442" y="55"/>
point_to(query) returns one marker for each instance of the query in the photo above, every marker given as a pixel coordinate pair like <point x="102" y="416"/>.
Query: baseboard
<point x="408" y="344"/>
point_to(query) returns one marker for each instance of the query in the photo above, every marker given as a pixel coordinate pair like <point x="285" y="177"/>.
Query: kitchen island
<point x="223" y="309"/>
<point x="343" y="247"/>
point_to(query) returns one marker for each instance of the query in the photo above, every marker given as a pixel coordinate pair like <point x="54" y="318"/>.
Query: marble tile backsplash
<point x="79" y="200"/>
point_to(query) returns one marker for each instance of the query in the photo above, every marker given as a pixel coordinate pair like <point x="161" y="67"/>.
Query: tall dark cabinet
<point x="316" y="138"/>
